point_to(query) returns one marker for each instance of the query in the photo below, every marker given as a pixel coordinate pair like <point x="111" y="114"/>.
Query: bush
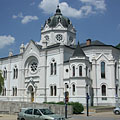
<point x="60" y="103"/>
<point x="77" y="107"/>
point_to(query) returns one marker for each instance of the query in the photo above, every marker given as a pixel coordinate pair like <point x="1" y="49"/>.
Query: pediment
<point x="31" y="48"/>
<point x="59" y="26"/>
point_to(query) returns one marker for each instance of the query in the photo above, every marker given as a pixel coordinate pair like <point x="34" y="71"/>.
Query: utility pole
<point x="66" y="100"/>
<point x="87" y="100"/>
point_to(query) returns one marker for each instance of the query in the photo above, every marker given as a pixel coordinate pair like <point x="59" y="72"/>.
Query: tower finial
<point x="58" y="11"/>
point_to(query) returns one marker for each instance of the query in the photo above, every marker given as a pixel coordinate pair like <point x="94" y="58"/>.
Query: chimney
<point x="88" y="42"/>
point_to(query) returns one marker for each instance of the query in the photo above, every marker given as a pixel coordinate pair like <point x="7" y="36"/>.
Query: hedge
<point x="77" y="107"/>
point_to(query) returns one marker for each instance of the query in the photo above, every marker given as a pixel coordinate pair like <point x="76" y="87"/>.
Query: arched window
<point x="73" y="89"/>
<point x="4" y="92"/>
<point x="55" y="90"/>
<point x="53" y="66"/>
<point x="80" y="70"/>
<point x="73" y="70"/>
<point x="51" y="90"/>
<point x="102" y="69"/>
<point x="5" y="73"/>
<point x="13" y="91"/>
<point x="15" y="72"/>
<point x="66" y="86"/>
<point x="103" y="90"/>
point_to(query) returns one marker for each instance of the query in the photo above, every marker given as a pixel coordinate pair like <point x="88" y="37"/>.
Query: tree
<point x="118" y="46"/>
<point x="1" y="82"/>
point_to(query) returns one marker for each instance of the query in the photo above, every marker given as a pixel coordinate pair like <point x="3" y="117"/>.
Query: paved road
<point x="96" y="116"/>
<point x="93" y="116"/>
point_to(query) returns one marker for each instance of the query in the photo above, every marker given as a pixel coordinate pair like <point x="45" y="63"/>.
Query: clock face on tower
<point x="59" y="37"/>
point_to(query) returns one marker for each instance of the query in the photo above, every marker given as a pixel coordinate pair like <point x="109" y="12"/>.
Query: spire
<point x="78" y="51"/>
<point x="58" y="11"/>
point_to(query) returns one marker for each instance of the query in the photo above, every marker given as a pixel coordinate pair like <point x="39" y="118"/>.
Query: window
<point x="59" y="37"/>
<point x="5" y="73"/>
<point x="14" y="91"/>
<point x="4" y="92"/>
<point x="36" y="112"/>
<point x="15" y="72"/>
<point x="53" y="67"/>
<point x="104" y="92"/>
<point x="29" y="111"/>
<point x="53" y="90"/>
<point x="80" y="70"/>
<point x="102" y="69"/>
<point x="86" y="71"/>
<point x="73" y="70"/>
<point x="73" y="89"/>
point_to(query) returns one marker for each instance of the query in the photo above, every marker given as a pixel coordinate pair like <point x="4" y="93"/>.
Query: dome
<point x="58" y="18"/>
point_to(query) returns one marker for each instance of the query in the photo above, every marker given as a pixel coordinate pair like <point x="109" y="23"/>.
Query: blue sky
<point x="21" y="20"/>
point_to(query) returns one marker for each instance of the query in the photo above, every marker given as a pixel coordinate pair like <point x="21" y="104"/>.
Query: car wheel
<point x="117" y="112"/>
<point x="22" y="119"/>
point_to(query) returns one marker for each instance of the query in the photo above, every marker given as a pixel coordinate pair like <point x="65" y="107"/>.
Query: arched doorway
<point x="31" y="92"/>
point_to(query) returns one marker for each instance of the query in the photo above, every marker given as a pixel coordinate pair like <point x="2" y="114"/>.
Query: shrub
<point x="77" y="107"/>
<point x="61" y="103"/>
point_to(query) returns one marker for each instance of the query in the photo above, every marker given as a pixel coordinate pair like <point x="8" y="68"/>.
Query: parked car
<point x="117" y="110"/>
<point x="38" y="114"/>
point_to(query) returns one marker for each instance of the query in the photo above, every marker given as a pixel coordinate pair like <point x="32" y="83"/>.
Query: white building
<point x="42" y="73"/>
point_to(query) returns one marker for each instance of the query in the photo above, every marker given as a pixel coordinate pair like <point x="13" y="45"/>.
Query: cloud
<point x="25" y="19"/>
<point x="20" y="15"/>
<point x="97" y="4"/>
<point x="48" y="5"/>
<point x="33" y="3"/>
<point x="6" y="40"/>
<point x="88" y="7"/>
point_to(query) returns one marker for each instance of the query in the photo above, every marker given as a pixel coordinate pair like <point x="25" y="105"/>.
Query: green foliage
<point x="1" y="82"/>
<point x="50" y="102"/>
<point x="60" y="103"/>
<point x="118" y="46"/>
<point x="77" y="107"/>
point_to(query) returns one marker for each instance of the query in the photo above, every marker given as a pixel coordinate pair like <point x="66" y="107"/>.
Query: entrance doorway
<point x="30" y="89"/>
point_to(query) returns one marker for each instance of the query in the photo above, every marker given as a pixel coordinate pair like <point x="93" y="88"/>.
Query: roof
<point x="58" y="18"/>
<point x="78" y="51"/>
<point x="96" y="42"/>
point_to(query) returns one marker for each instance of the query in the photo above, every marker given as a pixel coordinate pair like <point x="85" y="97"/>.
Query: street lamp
<point x="87" y="100"/>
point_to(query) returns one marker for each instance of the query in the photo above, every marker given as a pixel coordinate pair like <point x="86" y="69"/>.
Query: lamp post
<point x="87" y="100"/>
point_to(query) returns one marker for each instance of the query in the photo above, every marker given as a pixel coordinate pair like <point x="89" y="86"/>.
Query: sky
<point x="21" y="21"/>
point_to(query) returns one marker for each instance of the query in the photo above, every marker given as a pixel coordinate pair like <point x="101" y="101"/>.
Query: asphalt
<point x="92" y="116"/>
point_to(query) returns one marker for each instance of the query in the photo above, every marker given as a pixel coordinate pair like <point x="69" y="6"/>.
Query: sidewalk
<point x="95" y="116"/>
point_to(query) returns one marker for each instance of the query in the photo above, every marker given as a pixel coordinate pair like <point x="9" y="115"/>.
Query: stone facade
<point x="43" y="72"/>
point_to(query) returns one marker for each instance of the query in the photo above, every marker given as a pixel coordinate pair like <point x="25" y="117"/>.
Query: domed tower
<point x="58" y="29"/>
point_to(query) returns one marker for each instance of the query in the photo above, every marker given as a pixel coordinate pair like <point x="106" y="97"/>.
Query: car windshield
<point x="46" y="111"/>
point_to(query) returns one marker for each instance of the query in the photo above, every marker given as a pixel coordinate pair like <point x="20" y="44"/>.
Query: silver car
<point x="117" y="110"/>
<point x="38" y="114"/>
